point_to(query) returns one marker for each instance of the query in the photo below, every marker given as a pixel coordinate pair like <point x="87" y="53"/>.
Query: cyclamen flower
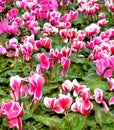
<point x="67" y="86"/>
<point x="4" y="26"/>
<point x="2" y="50"/>
<point x="16" y="85"/>
<point x="102" y="15"/>
<point x="99" y="98"/>
<point x="92" y="30"/>
<point x="54" y="17"/>
<point x="111" y="101"/>
<point x="102" y="22"/>
<point x="64" y="33"/>
<point x="66" y="51"/>
<point x="82" y="106"/>
<point x="48" y="5"/>
<point x="36" y="83"/>
<point x="44" y="60"/>
<point x="12" y="13"/>
<point x="46" y="42"/>
<point x="77" y="45"/>
<point x="77" y="88"/>
<point x="27" y="49"/>
<point x="65" y="62"/>
<point x="13" y="112"/>
<point x="111" y="83"/>
<point x="59" y="105"/>
<point x="27" y="4"/>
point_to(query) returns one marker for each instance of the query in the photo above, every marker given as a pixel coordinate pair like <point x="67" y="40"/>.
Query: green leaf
<point x="52" y="122"/>
<point x="27" y="115"/>
<point x="97" y="83"/>
<point x="73" y="121"/>
<point x="103" y="118"/>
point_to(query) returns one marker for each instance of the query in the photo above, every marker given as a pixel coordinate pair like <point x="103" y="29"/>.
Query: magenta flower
<point x="4" y="26"/>
<point x="101" y="64"/>
<point x="111" y="101"/>
<point x="99" y="98"/>
<point x="13" y="112"/>
<point x="2" y="50"/>
<point x="48" y="5"/>
<point x="92" y="30"/>
<point x="54" y="17"/>
<point x="98" y="94"/>
<point x="67" y="86"/>
<point x="16" y="85"/>
<point x="111" y="83"/>
<point x="59" y="105"/>
<point x="64" y="33"/>
<point x="66" y="51"/>
<point x="102" y="22"/>
<point x="49" y="102"/>
<point x="12" y="13"/>
<point x="77" y="88"/>
<point x="65" y="62"/>
<point x="46" y="42"/>
<point x="27" y="49"/>
<point x="101" y="15"/>
<point x="55" y="54"/>
<point x="63" y="102"/>
<point x="36" y="83"/>
<point x="82" y="106"/>
<point x="44" y="60"/>
<point x="77" y="45"/>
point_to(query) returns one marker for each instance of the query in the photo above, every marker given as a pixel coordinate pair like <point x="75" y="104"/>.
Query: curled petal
<point x="111" y="101"/>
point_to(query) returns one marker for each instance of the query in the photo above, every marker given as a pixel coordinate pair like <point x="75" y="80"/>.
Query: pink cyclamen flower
<point x="102" y="22"/>
<point x="92" y="30"/>
<point x="59" y="105"/>
<point x="46" y="42"/>
<point x="12" y="111"/>
<point x="111" y="83"/>
<point x="4" y="26"/>
<point x="2" y="50"/>
<point x="65" y="62"/>
<point x="102" y="15"/>
<point x="73" y="15"/>
<point x="64" y="33"/>
<point x="36" y="82"/>
<point x="27" y="49"/>
<point x="67" y="86"/>
<point x="98" y="94"/>
<point x="12" y="13"/>
<point x="77" y="88"/>
<point x="82" y="106"/>
<point x="111" y="101"/>
<point x="48" y="5"/>
<point x="99" y="98"/>
<point x="49" y="102"/>
<point x="77" y="45"/>
<point x="16" y="84"/>
<point x="44" y="60"/>
<point x="66" y="51"/>
<point x="86" y="94"/>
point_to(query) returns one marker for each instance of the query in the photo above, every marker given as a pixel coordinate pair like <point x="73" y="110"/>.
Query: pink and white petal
<point x="105" y="107"/>
<point x="111" y="101"/>
<point x="74" y="107"/>
<point x="38" y="94"/>
<point x="49" y="102"/>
